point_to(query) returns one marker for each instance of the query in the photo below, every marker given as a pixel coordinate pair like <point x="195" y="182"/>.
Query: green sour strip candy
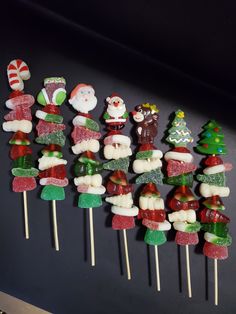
<point x="92" y="125"/>
<point x="154" y="237"/>
<point x="52" y="192"/>
<point x="183" y="179"/>
<point x="217" y="179"/>
<point x="226" y="241"/>
<point x="218" y="228"/>
<point x="89" y="200"/>
<point x="119" y="164"/>
<point x="25" y="162"/>
<point x="19" y="172"/>
<point x="193" y="227"/>
<point x="144" y="154"/>
<point x="53" y="118"/>
<point x="57" y="138"/>
<point x="81" y="169"/>
<point x="154" y="176"/>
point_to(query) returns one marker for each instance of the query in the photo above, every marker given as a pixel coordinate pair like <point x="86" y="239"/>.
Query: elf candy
<point x="179" y="173"/>
<point x="117" y="150"/>
<point x="148" y="163"/>
<point x="50" y="132"/>
<point x="18" y="120"/>
<point x="212" y="188"/>
<point x="87" y="169"/>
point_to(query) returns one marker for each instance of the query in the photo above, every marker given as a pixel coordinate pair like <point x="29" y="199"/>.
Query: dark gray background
<point x="63" y="282"/>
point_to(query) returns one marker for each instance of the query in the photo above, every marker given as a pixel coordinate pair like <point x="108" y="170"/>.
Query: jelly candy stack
<point x="18" y="120"/>
<point x="117" y="150"/>
<point x="212" y="188"/>
<point x="50" y="133"/>
<point x="87" y="169"/>
<point x="179" y="173"/>
<point x="148" y="164"/>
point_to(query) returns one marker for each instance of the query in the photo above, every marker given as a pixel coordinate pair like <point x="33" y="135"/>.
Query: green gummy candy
<point x="57" y="138"/>
<point x="92" y="125"/>
<point x="49" y="153"/>
<point x="154" y="176"/>
<point x="87" y="200"/>
<point x="52" y="192"/>
<point x="81" y="169"/>
<point x="226" y="241"/>
<point x="25" y="162"/>
<point x="218" y="228"/>
<point x="183" y="179"/>
<point x="217" y="179"/>
<point x="144" y="154"/>
<point x="53" y="118"/>
<point x="154" y="237"/>
<point x="119" y="164"/>
<point x="86" y="160"/>
<point x="19" y="172"/>
<point x="193" y="227"/>
<point x="216" y="206"/>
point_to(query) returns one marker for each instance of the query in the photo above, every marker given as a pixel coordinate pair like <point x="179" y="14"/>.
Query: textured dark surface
<point x="63" y="282"/>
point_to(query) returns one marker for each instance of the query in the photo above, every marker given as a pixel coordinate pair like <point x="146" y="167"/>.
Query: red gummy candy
<point x="207" y="215"/>
<point x="175" y="204"/>
<point x="122" y="222"/>
<point x="52" y="148"/>
<point x="186" y="238"/>
<point x="21" y="184"/>
<point x="213" y="161"/>
<point x="155" y="215"/>
<point x="81" y="133"/>
<point x="150" y="189"/>
<point x="21" y="136"/>
<point x="16" y="93"/>
<point x="51" y="109"/>
<point x="181" y="150"/>
<point x="44" y="127"/>
<point x="58" y="172"/>
<point x="19" y="113"/>
<point x="114" y="132"/>
<point x="215" y="251"/>
<point x="151" y="224"/>
<point x="19" y="151"/>
<point x="117" y="189"/>
<point x="144" y="147"/>
<point x="175" y="168"/>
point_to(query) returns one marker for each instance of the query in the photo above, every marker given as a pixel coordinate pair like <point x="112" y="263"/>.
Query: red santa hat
<point x="77" y="88"/>
<point x="113" y="95"/>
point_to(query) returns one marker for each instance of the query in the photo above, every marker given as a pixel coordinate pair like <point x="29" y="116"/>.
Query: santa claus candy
<point x="83" y="98"/>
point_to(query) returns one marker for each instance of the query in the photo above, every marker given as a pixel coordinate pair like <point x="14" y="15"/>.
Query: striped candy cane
<point x="17" y="71"/>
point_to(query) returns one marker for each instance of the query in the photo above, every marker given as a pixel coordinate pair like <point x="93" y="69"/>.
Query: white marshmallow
<point x="94" y="180"/>
<point x="151" y="203"/>
<point x="92" y="145"/>
<point x="124" y="211"/>
<point x="123" y="200"/>
<point x="185" y="157"/>
<point x="207" y="190"/>
<point x="117" y="139"/>
<point x="48" y="162"/>
<point x="214" y="169"/>
<point x="183" y="215"/>
<point x="17" y="125"/>
<point x="142" y="165"/>
<point x="112" y="152"/>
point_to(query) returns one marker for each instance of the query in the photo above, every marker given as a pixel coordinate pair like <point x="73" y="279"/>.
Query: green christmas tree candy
<point x="212" y="140"/>
<point x="179" y="134"/>
<point x="183" y="179"/>
<point x="154" y="176"/>
<point x="57" y="138"/>
<point x="217" y="179"/>
<point x="119" y="164"/>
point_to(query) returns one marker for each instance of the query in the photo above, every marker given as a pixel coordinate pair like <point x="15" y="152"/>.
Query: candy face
<point x="115" y="115"/>
<point x="83" y="98"/>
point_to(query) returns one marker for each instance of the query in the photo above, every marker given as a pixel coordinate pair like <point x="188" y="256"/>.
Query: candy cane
<point x="17" y="71"/>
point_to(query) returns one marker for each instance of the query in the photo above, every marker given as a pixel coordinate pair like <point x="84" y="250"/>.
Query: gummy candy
<point x="122" y="222"/>
<point x="57" y="138"/>
<point x="119" y="164"/>
<point x="82" y="169"/>
<point x="208" y="215"/>
<point x="156" y="215"/>
<point x="186" y="238"/>
<point x="175" y="204"/>
<point x="51" y="109"/>
<point x="215" y="251"/>
<point x="214" y="202"/>
<point x="25" y="162"/>
<point x="116" y="189"/>
<point x="217" y="179"/>
<point x="19" y="113"/>
<point x="176" y="168"/>
<point x="213" y="161"/>
<point x="89" y="200"/>
<point x="44" y="128"/>
<point x="19" y="138"/>
<point x="19" y="151"/>
<point x="54" y="181"/>
<point x="80" y="134"/>
<point x="220" y="229"/>
<point x="119" y="177"/>
<point x="154" y="237"/>
<point x="21" y="184"/>
<point x="184" y="179"/>
<point x="21" y="100"/>
<point x="80" y="120"/>
<point x="212" y="238"/>
<point x="58" y="172"/>
<point x="51" y="192"/>
<point x="149" y="190"/>
<point x="154" y="176"/>
<point x="19" y="172"/>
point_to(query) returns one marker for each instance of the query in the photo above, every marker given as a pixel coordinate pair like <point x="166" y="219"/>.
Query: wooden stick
<point x="126" y="255"/>
<point x="91" y="237"/>
<point x="157" y="268"/>
<point x="55" y="232"/>
<point x="26" y="220"/>
<point x="216" y="280"/>
<point x="188" y="272"/>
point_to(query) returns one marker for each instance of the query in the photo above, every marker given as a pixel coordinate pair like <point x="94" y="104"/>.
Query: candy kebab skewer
<point x="117" y="150"/>
<point x="212" y="188"/>
<point x="183" y="203"/>
<point x="50" y="132"/>
<point x="87" y="169"/>
<point x="19" y="122"/>
<point x="148" y="164"/>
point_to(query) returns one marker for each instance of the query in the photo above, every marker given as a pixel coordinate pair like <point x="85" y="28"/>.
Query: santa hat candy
<point x="212" y="188"/>
<point x="18" y="120"/>
<point x="50" y="129"/>
<point x="87" y="169"/>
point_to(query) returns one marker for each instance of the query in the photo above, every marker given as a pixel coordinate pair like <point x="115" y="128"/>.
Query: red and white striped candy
<point x="17" y="71"/>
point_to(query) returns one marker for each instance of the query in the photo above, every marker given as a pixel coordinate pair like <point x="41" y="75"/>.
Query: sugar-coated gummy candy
<point x="24" y="126"/>
<point x="19" y="172"/>
<point x="217" y="179"/>
<point x="154" y="176"/>
<point x="184" y="179"/>
<point x="19" y="151"/>
<point x="20" y="100"/>
<point x="119" y="164"/>
<point x="176" y="168"/>
<point x="86" y="122"/>
<point x="24" y="162"/>
<point x="122" y="222"/>
<point x="19" y="113"/>
<point x="218" y="228"/>
<point x="44" y="127"/>
<point x="21" y="184"/>
<point x="52" y="192"/>
<point x="215" y="251"/>
<point x="48" y="117"/>
<point x="154" y="237"/>
<point x="57" y="138"/>
<point x="186" y="238"/>
<point x="58" y="172"/>
<point x="80" y="134"/>
<point x="54" y="181"/>
<point x="87" y="200"/>
<point x="19" y="138"/>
